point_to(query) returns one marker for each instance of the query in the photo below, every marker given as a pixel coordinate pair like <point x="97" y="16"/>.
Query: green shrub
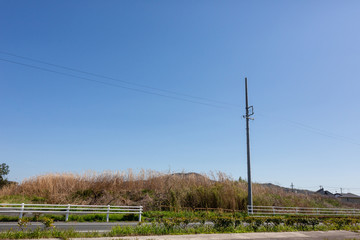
<point x="314" y="222"/>
<point x="224" y="223"/>
<point x="48" y="222"/>
<point x="23" y="223"/>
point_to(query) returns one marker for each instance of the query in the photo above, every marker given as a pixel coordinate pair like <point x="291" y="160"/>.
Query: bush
<point x="224" y="223"/>
<point x="48" y="222"/>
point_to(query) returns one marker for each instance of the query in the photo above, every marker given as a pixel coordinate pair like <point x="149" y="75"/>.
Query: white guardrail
<point x="274" y="210"/>
<point x="21" y="209"/>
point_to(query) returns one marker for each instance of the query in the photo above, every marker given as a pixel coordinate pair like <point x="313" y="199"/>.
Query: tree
<point x="4" y="170"/>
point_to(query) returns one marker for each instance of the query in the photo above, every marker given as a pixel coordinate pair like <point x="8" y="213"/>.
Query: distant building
<point x="324" y="192"/>
<point x="348" y="197"/>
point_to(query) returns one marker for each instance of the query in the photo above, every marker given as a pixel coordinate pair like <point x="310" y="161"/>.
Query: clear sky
<point x="302" y="60"/>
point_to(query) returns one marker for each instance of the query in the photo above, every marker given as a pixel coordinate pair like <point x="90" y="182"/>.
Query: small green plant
<point x="37" y="199"/>
<point x="314" y="222"/>
<point x="223" y="223"/>
<point x="23" y="223"/>
<point x="36" y="217"/>
<point x="48" y="222"/>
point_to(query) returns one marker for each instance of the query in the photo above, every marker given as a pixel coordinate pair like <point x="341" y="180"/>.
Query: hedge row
<point x="267" y="223"/>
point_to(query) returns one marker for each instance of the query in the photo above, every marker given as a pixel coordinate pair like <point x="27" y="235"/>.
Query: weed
<point x="48" y="222"/>
<point x="23" y="223"/>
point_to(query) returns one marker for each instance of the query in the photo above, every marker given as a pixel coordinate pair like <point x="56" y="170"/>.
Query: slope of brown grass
<point x="155" y="190"/>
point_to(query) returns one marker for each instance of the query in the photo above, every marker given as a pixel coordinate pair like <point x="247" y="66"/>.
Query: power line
<point x="318" y="131"/>
<point x="316" y="187"/>
<point x="342" y="188"/>
<point x="112" y="84"/>
<point x="218" y="105"/>
<point x="119" y="80"/>
<point x="324" y="132"/>
<point x="328" y="187"/>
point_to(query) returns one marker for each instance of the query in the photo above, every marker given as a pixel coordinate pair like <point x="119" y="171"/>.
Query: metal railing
<point x="274" y="210"/>
<point x="21" y="209"/>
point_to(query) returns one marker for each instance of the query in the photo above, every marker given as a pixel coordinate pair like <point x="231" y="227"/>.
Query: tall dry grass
<point x="154" y="190"/>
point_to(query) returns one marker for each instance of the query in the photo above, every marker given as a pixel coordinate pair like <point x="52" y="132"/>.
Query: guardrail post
<point x="140" y="211"/>
<point x="22" y="210"/>
<point x="107" y="214"/>
<point x="296" y="210"/>
<point x="67" y="213"/>
<point x="273" y="210"/>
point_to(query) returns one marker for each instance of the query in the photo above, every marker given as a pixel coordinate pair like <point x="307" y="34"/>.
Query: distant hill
<point x="303" y="191"/>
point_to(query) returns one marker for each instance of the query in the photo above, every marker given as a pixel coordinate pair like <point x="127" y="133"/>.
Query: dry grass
<point x="154" y="189"/>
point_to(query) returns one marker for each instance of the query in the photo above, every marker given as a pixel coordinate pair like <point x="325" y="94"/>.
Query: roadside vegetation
<point x="195" y="225"/>
<point x="155" y="191"/>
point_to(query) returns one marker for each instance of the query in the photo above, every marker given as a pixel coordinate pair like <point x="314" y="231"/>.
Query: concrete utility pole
<point x="249" y="112"/>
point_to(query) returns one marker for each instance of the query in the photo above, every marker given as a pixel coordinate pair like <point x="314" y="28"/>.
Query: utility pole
<point x="249" y="112"/>
<point x="292" y="187"/>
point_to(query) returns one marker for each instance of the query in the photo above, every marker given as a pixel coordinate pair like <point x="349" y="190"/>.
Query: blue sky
<point x="301" y="59"/>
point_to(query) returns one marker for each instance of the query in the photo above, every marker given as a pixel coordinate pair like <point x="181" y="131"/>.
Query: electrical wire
<point x="118" y="80"/>
<point x="296" y="123"/>
<point x="317" y="130"/>
<point x="324" y="132"/>
<point x="112" y="84"/>
<point x="317" y="187"/>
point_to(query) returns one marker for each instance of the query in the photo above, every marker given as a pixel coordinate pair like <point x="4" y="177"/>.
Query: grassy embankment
<point x="154" y="191"/>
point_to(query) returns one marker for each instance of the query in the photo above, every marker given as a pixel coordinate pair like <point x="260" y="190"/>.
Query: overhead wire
<point x="118" y="80"/>
<point x="111" y="84"/>
<point x="315" y="188"/>
<point x="324" y="132"/>
<point x="317" y="130"/>
<point x="217" y="105"/>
